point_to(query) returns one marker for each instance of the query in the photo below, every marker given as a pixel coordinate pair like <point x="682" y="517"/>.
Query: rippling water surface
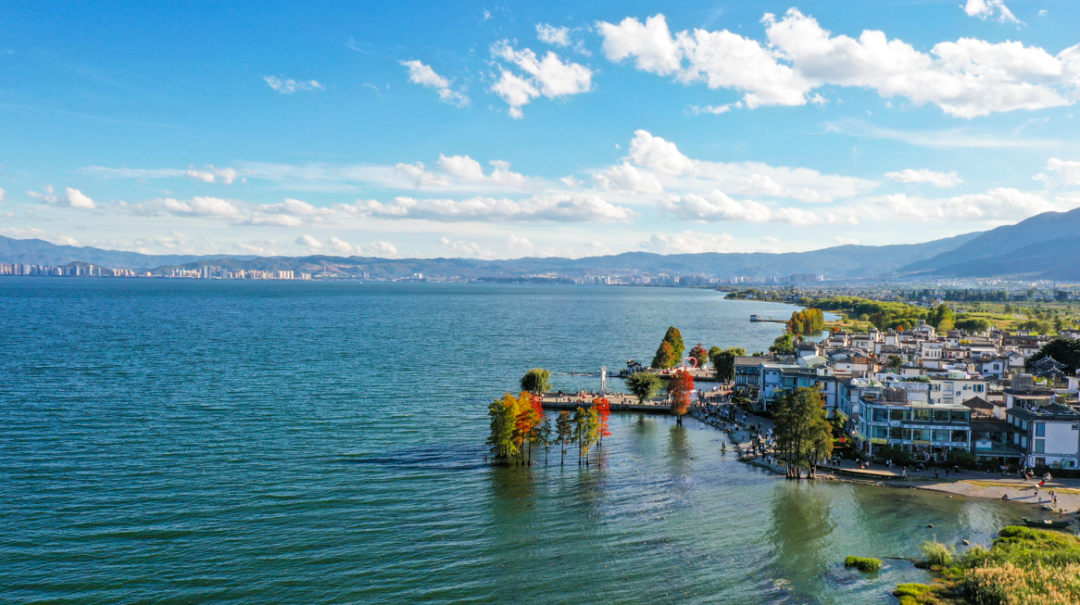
<point x="246" y="442"/>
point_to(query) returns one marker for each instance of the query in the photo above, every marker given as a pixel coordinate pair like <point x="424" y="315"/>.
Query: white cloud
<point x="937" y="179"/>
<point x="425" y="76"/>
<point x="713" y="109"/>
<point x="211" y="175"/>
<point x="984" y="9"/>
<point x="680" y="172"/>
<point x="558" y="36"/>
<point x="1000" y="204"/>
<point x="550" y="77"/>
<point x="1067" y="173"/>
<point x="421" y="176"/>
<point x="966" y="78"/>
<point x="287" y="86"/>
<point x="557" y="207"/>
<point x="196" y="206"/>
<point x="846" y="241"/>
<point x="3" y="195"/>
<point x="72" y="198"/>
<point x="382" y="249"/>
<point x="295" y="208"/>
<point x="625" y="177"/>
<point x="465" y="167"/>
<point x="255" y="249"/>
<point x="718" y="206"/>
<point x="465" y="249"/>
<point x="308" y="242"/>
<point x="64" y="240"/>
<point x="658" y="154"/>
<point x="688" y="242"/>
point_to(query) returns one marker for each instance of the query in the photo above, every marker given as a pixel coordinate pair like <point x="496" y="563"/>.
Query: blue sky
<point x="532" y="129"/>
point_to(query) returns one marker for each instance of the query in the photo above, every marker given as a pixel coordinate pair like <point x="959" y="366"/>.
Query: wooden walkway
<point x="618" y="404"/>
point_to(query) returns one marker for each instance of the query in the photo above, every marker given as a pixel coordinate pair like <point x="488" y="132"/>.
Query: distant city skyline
<point x="472" y="130"/>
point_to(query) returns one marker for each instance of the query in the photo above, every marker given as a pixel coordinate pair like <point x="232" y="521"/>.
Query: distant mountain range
<point x="836" y="262"/>
<point x="1046" y="246"/>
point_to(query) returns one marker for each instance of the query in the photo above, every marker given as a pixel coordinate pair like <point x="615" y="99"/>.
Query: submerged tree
<point x="679" y="388"/>
<point x="586" y="431"/>
<point x="564" y="433"/>
<point x="603" y="411"/>
<point x="543" y="435"/>
<point x="536" y="380"/>
<point x="503" y="413"/>
<point x="643" y="385"/>
<point x="670" y="351"/>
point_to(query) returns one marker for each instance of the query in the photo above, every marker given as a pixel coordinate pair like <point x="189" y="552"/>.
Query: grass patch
<point x="866" y="564"/>
<point x="1025" y="566"/>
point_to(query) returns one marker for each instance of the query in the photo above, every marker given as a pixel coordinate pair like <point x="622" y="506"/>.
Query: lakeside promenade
<point x="743" y="431"/>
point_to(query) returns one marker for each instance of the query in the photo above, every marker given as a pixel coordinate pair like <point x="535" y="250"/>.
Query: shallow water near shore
<point x="216" y="442"/>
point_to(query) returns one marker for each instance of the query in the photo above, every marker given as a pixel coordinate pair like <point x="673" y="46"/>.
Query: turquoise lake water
<point x="282" y="442"/>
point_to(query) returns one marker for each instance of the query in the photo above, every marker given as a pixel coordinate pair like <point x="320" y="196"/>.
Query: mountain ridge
<point x="847" y="261"/>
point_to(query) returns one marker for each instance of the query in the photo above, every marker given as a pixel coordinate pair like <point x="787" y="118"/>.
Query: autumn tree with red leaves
<point x="679" y="388"/>
<point x="603" y="408"/>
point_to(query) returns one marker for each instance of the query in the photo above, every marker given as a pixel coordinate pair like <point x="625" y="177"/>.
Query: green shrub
<point x="863" y="563"/>
<point x="937" y="554"/>
<point x="915" y="594"/>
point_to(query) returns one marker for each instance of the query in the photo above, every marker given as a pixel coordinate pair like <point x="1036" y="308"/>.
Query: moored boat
<point x="1045" y="523"/>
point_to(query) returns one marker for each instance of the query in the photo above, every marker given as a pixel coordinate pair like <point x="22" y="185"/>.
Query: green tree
<point x="564" y="433"/>
<point x="724" y="365"/>
<point x="783" y="345"/>
<point x="586" y="424"/>
<point x="895" y="361"/>
<point x="643" y="385"/>
<point x="800" y="426"/>
<point x="503" y="414"/>
<point x="1063" y="350"/>
<point x="536" y="380"/>
<point x="670" y="355"/>
<point x="544" y="435"/>
<point x="698" y="352"/>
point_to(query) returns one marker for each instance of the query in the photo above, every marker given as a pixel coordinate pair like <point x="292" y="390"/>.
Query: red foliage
<point x="603" y="407"/>
<point x="680" y="386"/>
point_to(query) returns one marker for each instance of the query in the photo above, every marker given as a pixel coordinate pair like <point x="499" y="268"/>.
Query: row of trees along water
<point x="519" y="425"/>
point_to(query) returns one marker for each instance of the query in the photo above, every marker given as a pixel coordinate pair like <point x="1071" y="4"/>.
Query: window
<point x="879" y="432"/>
<point x="960" y="436"/>
<point x="958" y="417"/>
<point x="980" y="387"/>
<point x="941" y="415"/>
<point x="1040" y="429"/>
<point x="897" y="433"/>
<point x="898" y="415"/>
<point x="920" y="434"/>
<point x="940" y="435"/>
<point x="880" y="415"/>
<point x="1023" y="424"/>
<point x="1040" y="446"/>
<point x="921" y="415"/>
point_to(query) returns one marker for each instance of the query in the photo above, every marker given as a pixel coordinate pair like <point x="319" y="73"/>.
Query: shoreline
<point x="991" y="488"/>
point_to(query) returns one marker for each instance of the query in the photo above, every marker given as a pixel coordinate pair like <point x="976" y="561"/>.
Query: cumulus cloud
<point x="1060" y="172"/>
<point x="937" y="179"/>
<point x="550" y="77"/>
<point x="966" y="78"/>
<point x="290" y="213"/>
<point x="212" y="175"/>
<point x="382" y="249"/>
<point x="421" y="176"/>
<point x="308" y="242"/>
<point x="558" y="36"/>
<point x="3" y="195"/>
<point x="688" y="242"/>
<point x="465" y="167"/>
<point x="718" y="206"/>
<point x="625" y="177"/>
<point x="746" y="178"/>
<point x="1000" y="204"/>
<point x="846" y="241"/>
<point x="465" y="249"/>
<point x="713" y="109"/>
<point x="985" y="9"/>
<point x="557" y="207"/>
<point x="72" y="198"/>
<point x="287" y="86"/>
<point x="425" y="76"/>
